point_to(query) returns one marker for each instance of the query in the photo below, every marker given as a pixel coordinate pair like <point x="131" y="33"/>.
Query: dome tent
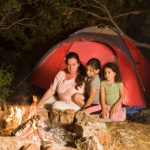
<point x="106" y="45"/>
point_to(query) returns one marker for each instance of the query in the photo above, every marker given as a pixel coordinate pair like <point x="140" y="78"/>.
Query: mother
<point x="66" y="83"/>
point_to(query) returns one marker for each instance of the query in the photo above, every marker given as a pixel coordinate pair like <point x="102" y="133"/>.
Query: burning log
<point x="36" y="129"/>
<point x="27" y="130"/>
<point x="13" y="116"/>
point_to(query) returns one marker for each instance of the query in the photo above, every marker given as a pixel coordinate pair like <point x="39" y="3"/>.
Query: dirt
<point x="129" y="135"/>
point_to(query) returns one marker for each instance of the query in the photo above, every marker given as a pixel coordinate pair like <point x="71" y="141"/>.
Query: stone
<point x="90" y="143"/>
<point x="65" y="117"/>
<point x="15" y="143"/>
<point x="87" y="126"/>
<point x="31" y="146"/>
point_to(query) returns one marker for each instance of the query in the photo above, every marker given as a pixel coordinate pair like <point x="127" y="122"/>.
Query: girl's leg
<point x="92" y="109"/>
<point x="78" y="99"/>
<point x="119" y="115"/>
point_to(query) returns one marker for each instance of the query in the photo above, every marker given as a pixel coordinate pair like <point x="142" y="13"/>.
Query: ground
<point x="129" y="135"/>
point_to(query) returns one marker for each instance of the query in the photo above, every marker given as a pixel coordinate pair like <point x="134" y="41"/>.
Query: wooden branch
<point x="87" y="12"/>
<point x="139" y="44"/>
<point x="131" y="13"/>
<point x="145" y="45"/>
<point x="111" y="19"/>
<point x="16" y="22"/>
<point x="6" y="16"/>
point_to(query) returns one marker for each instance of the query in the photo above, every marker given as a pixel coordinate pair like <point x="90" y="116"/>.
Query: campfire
<point x="63" y="128"/>
<point x="13" y="116"/>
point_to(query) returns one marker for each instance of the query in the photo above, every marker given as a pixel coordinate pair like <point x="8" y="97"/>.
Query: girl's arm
<point x="103" y="102"/>
<point x="120" y="100"/>
<point x="102" y="94"/>
<point x="91" y="98"/>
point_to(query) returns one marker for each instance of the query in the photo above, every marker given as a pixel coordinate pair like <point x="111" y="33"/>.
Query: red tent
<point x="108" y="46"/>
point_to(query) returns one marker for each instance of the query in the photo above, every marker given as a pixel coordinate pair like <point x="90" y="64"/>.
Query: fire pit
<point x="55" y="128"/>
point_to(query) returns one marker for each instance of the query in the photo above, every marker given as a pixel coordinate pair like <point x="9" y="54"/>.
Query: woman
<point x="66" y="83"/>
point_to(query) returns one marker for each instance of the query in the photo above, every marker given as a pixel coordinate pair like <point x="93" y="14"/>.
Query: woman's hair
<point x="94" y="63"/>
<point x="72" y="55"/>
<point x="114" y="67"/>
<point x="81" y="74"/>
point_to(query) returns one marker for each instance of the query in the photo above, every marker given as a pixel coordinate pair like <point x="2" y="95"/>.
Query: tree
<point x="26" y="25"/>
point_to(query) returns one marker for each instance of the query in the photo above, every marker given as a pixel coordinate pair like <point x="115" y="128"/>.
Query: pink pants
<point x="119" y="115"/>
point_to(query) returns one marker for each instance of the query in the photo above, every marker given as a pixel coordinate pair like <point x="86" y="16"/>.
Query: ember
<point x="36" y="129"/>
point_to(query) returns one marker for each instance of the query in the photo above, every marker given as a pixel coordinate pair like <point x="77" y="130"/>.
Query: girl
<point x="112" y="93"/>
<point x="92" y="86"/>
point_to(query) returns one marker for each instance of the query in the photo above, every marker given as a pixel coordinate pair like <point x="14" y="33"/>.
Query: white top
<point x="65" y="88"/>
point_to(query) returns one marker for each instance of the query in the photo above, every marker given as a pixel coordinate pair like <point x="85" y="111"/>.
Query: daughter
<point x="92" y="86"/>
<point x="112" y="93"/>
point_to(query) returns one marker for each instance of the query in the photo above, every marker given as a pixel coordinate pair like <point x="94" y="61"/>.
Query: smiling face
<point x="109" y="74"/>
<point x="91" y="72"/>
<point x="72" y="65"/>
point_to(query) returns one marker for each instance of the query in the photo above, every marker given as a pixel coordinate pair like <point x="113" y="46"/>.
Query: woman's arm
<point x="45" y="97"/>
<point x="52" y="90"/>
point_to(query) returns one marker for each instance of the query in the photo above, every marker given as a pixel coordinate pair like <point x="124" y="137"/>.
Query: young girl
<point x="112" y="93"/>
<point x="92" y="86"/>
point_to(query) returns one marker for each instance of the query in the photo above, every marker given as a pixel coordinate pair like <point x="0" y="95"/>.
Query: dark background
<point x="29" y="28"/>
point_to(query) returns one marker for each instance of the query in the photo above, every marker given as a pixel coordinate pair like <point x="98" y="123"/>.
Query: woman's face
<point x="72" y="65"/>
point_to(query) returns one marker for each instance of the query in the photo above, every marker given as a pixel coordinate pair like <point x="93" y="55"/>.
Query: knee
<point x="55" y="105"/>
<point x="75" y="97"/>
<point x="78" y="99"/>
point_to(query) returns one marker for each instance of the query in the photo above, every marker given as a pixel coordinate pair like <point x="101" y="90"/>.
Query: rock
<point x="15" y="143"/>
<point x="90" y="143"/>
<point x="48" y="146"/>
<point x="65" y="117"/>
<point x="88" y="126"/>
<point x="31" y="146"/>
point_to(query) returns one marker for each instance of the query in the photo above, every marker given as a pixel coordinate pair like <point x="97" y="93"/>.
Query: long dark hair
<point x="72" y="55"/>
<point x="114" y="67"/>
<point x="81" y="74"/>
<point x="95" y="64"/>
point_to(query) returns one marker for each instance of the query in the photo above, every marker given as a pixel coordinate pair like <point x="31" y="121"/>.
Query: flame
<point x="13" y="116"/>
<point x="19" y="114"/>
<point x="35" y="99"/>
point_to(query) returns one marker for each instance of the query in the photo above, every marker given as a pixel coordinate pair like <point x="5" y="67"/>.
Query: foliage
<point x="6" y="77"/>
<point x="26" y="25"/>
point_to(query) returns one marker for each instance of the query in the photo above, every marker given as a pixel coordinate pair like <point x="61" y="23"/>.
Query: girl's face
<point x="91" y="72"/>
<point x="109" y="74"/>
<point x="72" y="65"/>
